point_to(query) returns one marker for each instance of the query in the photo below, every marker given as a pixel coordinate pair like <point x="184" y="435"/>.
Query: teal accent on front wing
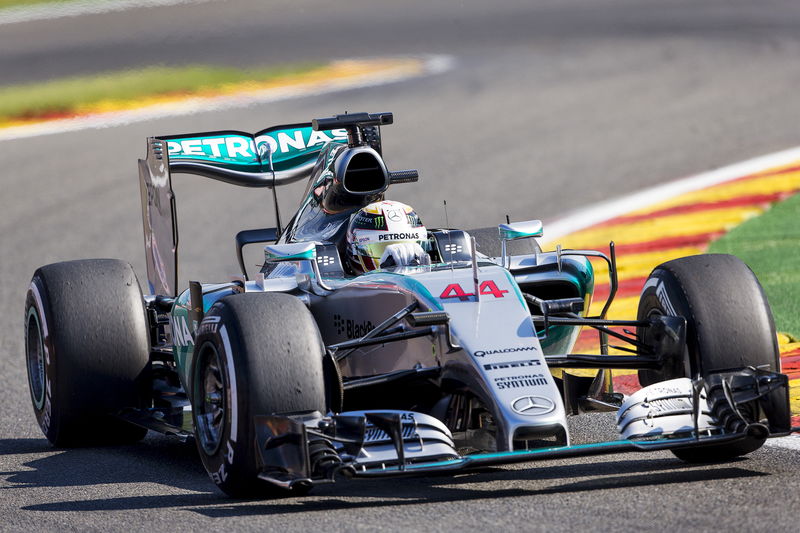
<point x="498" y="458"/>
<point x="521" y="454"/>
<point x="561" y="452"/>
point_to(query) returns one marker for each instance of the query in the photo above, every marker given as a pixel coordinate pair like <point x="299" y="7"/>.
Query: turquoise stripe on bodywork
<point x="180" y="311"/>
<point x="406" y="282"/>
<point x="516" y="288"/>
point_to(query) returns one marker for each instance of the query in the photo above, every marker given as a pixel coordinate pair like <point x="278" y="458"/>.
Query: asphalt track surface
<point x="550" y="106"/>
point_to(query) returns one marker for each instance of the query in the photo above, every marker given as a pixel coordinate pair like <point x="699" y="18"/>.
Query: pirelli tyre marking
<point x="661" y="294"/>
<point x="231" y="373"/>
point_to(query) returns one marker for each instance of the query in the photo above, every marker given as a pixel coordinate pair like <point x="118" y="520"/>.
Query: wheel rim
<point x="34" y="355"/>
<point x="685" y="365"/>
<point x="211" y="401"/>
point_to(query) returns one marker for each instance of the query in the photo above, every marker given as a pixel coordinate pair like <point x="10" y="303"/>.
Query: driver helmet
<point x="374" y="227"/>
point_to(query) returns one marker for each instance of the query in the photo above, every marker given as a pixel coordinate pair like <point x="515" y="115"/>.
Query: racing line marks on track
<point x="603" y="212"/>
<point x="674" y="220"/>
<point x="347" y="74"/>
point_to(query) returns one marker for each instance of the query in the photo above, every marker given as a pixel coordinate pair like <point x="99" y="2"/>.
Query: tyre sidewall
<point x="242" y="328"/>
<point x="96" y="351"/>
<point x="36" y="304"/>
<point x="662" y="296"/>
<point x="229" y="465"/>
<point x="729" y="322"/>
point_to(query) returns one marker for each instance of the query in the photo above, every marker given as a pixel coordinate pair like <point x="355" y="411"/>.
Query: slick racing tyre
<point x="255" y="354"/>
<point x="488" y="242"/>
<point x="87" y="351"/>
<point x="729" y="325"/>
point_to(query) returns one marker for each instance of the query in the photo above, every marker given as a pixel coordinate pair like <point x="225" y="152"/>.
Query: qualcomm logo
<point x="532" y="405"/>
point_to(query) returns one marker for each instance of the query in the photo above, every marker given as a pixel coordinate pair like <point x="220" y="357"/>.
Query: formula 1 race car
<point x="368" y="345"/>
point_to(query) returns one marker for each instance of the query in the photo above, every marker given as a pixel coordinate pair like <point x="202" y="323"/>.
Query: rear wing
<point x="270" y="158"/>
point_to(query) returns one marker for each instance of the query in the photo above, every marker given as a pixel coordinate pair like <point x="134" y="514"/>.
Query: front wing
<point x="303" y="450"/>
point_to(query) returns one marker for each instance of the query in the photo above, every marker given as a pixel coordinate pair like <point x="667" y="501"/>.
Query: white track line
<point x="188" y="106"/>
<point x="49" y="11"/>
<point x="605" y="211"/>
<point x="792" y="442"/>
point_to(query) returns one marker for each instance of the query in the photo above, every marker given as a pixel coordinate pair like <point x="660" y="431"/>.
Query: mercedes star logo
<point x="532" y="405"/>
<point x="394" y="215"/>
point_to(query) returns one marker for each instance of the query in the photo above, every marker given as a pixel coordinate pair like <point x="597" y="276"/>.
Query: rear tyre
<point x="87" y="351"/>
<point x="489" y="244"/>
<point x="729" y="325"/>
<point x="255" y="354"/>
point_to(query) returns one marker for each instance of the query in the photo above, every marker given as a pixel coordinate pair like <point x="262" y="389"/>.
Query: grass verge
<point x="70" y="96"/>
<point x="770" y="245"/>
<point x="14" y="3"/>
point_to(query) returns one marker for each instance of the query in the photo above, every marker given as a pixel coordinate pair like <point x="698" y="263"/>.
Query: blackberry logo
<point x="453" y="248"/>
<point x="325" y="260"/>
<point x="338" y="323"/>
<point x="350" y="328"/>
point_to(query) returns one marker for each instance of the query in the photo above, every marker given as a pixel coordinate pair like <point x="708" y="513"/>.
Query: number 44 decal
<point x="454" y="290"/>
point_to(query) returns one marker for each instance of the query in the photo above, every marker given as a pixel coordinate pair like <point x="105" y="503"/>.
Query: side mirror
<point x="310" y="281"/>
<point x="520" y="230"/>
<point x="517" y="230"/>
<point x="296" y="251"/>
<point x="253" y="236"/>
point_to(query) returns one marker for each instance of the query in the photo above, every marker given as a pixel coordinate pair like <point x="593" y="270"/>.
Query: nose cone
<point x="501" y="359"/>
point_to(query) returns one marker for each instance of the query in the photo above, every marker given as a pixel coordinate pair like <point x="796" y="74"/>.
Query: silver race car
<point x="368" y="345"/>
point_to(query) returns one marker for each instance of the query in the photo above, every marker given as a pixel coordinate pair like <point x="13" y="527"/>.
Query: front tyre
<point x="729" y="325"/>
<point x="255" y="354"/>
<point x="87" y="351"/>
